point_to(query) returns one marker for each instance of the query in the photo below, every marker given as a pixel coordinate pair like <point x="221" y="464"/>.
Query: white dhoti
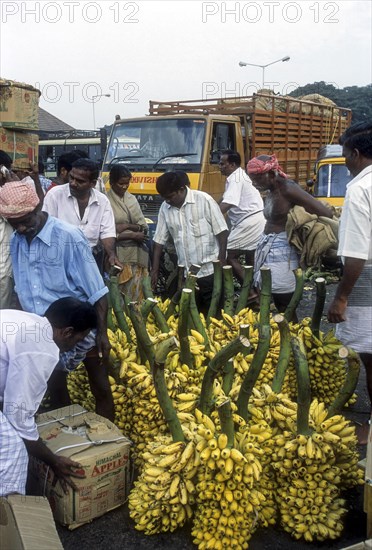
<point x="246" y="234"/>
<point x="13" y="460"/>
<point x="356" y="331"/>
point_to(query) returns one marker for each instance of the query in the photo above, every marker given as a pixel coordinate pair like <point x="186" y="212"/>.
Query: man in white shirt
<point x="195" y="223"/>
<point x="30" y="347"/>
<point x="244" y="208"/>
<point x="352" y="304"/>
<point x="79" y="204"/>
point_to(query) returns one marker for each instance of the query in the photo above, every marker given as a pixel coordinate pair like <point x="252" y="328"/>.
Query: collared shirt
<point x="355" y="231"/>
<point x="28" y="357"/>
<point x="57" y="263"/>
<point x="98" y="220"/>
<point x="193" y="228"/>
<point x="242" y="195"/>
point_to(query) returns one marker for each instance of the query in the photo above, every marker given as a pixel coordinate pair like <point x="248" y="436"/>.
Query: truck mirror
<point x="310" y="183"/>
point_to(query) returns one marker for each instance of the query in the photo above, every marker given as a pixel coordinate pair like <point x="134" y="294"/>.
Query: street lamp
<point x="263" y="67"/>
<point x="93" y="103"/>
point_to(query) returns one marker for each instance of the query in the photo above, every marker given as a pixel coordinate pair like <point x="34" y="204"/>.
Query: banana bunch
<point x="227" y="500"/>
<point x="162" y="497"/>
<point x="307" y="492"/>
<point x="327" y="370"/>
<point x="340" y="431"/>
<point x="120" y="348"/>
<point x="79" y="388"/>
<point x="276" y="409"/>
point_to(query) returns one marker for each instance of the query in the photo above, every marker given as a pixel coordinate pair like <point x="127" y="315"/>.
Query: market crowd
<point x="62" y="238"/>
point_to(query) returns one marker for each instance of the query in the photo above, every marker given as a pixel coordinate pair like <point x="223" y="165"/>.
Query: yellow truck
<point x="331" y="175"/>
<point x="190" y="135"/>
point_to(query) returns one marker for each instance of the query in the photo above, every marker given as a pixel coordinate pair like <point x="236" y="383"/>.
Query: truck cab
<point x="331" y="175"/>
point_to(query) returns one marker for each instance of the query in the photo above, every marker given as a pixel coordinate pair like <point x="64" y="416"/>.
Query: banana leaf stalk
<point x="245" y="288"/>
<point x="347" y="390"/>
<point x="191" y="282"/>
<point x="161" y="352"/>
<point x="217" y="291"/>
<point x="284" y="354"/>
<point x="228" y="373"/>
<point x="147" y="307"/>
<point x="262" y="347"/>
<point x="228" y="283"/>
<point x="244" y="330"/>
<point x="183" y="328"/>
<point x="110" y="319"/>
<point x="144" y="343"/>
<point x="290" y="312"/>
<point x="321" y="293"/>
<point x="303" y="386"/>
<point x="160" y="319"/>
<point x="175" y="300"/>
<point x="117" y="307"/>
<point x="240" y="344"/>
<point x="226" y="419"/>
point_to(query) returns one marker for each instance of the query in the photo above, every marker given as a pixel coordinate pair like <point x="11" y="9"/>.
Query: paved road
<point x="116" y="530"/>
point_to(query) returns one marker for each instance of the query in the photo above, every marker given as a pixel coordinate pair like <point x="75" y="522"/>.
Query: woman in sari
<point x="131" y="229"/>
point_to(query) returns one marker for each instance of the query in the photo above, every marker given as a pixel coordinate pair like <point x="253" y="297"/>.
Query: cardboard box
<point x="19" y="105"/>
<point x="20" y="146"/>
<point x="102" y="450"/>
<point x="27" y="523"/>
<point x="365" y="545"/>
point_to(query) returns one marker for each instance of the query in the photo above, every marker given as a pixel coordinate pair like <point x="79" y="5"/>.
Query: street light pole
<point x="263" y="67"/>
<point x="93" y="103"/>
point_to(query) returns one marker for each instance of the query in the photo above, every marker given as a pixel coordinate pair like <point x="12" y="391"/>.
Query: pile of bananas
<point x="79" y="388"/>
<point x="228" y="503"/>
<point x="162" y="497"/>
<point x="310" y="476"/>
<point x="327" y="369"/>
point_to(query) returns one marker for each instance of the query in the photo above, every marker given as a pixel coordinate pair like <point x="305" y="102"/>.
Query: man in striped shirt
<point x="195" y="223"/>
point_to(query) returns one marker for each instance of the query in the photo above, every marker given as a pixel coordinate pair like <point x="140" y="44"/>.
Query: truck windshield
<point x="147" y="142"/>
<point x="332" y="180"/>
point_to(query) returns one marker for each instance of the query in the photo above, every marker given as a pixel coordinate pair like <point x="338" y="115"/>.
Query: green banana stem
<point x="246" y="287"/>
<point x="265" y="296"/>
<point x="183" y="328"/>
<point x="347" y="390"/>
<point x="194" y="313"/>
<point x="244" y="330"/>
<point x="303" y="386"/>
<point x="227" y="423"/>
<point x="110" y="319"/>
<point x="262" y="347"/>
<point x="254" y="371"/>
<point x="147" y="307"/>
<point x="321" y="293"/>
<point x="165" y="402"/>
<point x="228" y="373"/>
<point x="174" y="302"/>
<point x="240" y="344"/>
<point x="284" y="354"/>
<point x="160" y="319"/>
<point x="290" y="312"/>
<point x="217" y="291"/>
<point x="144" y="343"/>
<point x="116" y="306"/>
<point x="228" y="283"/>
<point x="180" y="275"/>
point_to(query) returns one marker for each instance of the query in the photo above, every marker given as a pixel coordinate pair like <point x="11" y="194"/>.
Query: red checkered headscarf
<point x="17" y="198"/>
<point x="258" y="166"/>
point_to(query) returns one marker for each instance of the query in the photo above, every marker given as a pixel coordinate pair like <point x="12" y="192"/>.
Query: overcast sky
<point x="174" y="50"/>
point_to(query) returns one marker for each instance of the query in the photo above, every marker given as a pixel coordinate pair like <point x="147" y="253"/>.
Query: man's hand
<point x="63" y="467"/>
<point x="336" y="311"/>
<point x="103" y="345"/>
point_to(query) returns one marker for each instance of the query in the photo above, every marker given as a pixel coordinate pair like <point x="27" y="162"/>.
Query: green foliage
<point x="356" y="98"/>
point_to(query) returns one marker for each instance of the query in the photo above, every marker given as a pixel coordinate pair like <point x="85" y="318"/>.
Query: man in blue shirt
<point x="51" y="260"/>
